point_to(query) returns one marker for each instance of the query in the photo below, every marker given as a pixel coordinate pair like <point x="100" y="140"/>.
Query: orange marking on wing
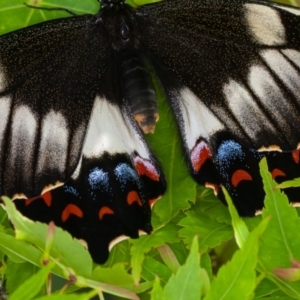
<point x="240" y="175"/>
<point x="133" y="197"/>
<point x="199" y="155"/>
<point x="71" y="209"/>
<point x="277" y="172"/>
<point x="29" y="201"/>
<point x="296" y="156"/>
<point x="47" y="197"/>
<point x="105" y="210"/>
<point x="145" y="168"/>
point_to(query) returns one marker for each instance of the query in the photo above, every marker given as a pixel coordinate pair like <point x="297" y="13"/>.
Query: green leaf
<point x="211" y="233"/>
<point x="19" y="251"/>
<point x="186" y="283"/>
<point x="17" y="274"/>
<point x="70" y="251"/>
<point x="181" y="187"/>
<point x="241" y="231"/>
<point x="108" y="275"/>
<point x="289" y="184"/>
<point x="208" y="204"/>
<point x="81" y="296"/>
<point x="153" y="268"/>
<point x="280" y="243"/>
<point x="238" y="277"/>
<point x="32" y="286"/>
<point x="157" y="292"/>
<point x="166" y="234"/>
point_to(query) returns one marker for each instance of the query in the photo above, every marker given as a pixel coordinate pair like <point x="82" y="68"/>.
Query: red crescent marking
<point x="71" y="209"/>
<point x="199" y="155"/>
<point x="240" y="175"/>
<point x="133" y="197"/>
<point x="145" y="168"/>
<point x="296" y="157"/>
<point x="277" y="172"/>
<point x="47" y="197"/>
<point x="105" y="210"/>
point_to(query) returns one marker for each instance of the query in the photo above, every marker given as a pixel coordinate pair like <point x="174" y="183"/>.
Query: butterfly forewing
<point x="48" y="87"/>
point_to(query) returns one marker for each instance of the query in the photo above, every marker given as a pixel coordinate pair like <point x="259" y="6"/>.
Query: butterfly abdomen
<point x="139" y="91"/>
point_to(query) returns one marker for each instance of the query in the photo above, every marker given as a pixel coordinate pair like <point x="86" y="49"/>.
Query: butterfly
<point x="77" y="97"/>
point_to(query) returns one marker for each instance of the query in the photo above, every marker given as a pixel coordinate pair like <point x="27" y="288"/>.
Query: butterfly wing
<point x="63" y="122"/>
<point x="45" y="107"/>
<point x="231" y="73"/>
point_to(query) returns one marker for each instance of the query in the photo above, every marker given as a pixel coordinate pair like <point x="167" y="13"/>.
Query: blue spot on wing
<point x="99" y="180"/>
<point x="125" y="173"/>
<point x="71" y="190"/>
<point x="228" y="152"/>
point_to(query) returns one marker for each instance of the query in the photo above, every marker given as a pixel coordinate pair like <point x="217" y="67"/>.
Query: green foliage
<point x="192" y="231"/>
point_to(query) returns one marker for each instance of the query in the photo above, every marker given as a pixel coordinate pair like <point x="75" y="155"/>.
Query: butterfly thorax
<point x="138" y="92"/>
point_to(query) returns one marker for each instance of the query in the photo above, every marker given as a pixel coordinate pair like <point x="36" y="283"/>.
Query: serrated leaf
<point x="157" y="291"/>
<point x="32" y="286"/>
<point x="166" y="234"/>
<point x="208" y="204"/>
<point x="238" y="277"/>
<point x="70" y="251"/>
<point x="210" y="232"/>
<point x="108" y="275"/>
<point x="280" y="245"/>
<point x="186" y="283"/>
<point x="153" y="268"/>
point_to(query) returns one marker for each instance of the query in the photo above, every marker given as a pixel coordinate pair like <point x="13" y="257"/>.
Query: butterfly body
<point x="72" y="120"/>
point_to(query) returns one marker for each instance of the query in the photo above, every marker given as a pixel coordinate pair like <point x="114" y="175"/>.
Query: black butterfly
<point x="76" y="97"/>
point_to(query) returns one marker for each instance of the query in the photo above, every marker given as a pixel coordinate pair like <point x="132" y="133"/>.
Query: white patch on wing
<point x="2" y="79"/>
<point x="293" y="55"/>
<point x="198" y="120"/>
<point x="53" y="149"/>
<point x="294" y="11"/>
<point x="23" y="133"/>
<point x="283" y="69"/>
<point x="76" y="144"/>
<point x="110" y="131"/>
<point x="264" y="24"/>
<point x="245" y="109"/>
<point x="5" y="103"/>
<point x="272" y="99"/>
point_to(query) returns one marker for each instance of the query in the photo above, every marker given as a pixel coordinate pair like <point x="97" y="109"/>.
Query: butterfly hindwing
<point x="110" y="193"/>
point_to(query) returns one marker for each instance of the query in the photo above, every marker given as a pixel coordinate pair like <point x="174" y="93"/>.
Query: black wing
<point x="231" y="72"/>
<point x="48" y="85"/>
